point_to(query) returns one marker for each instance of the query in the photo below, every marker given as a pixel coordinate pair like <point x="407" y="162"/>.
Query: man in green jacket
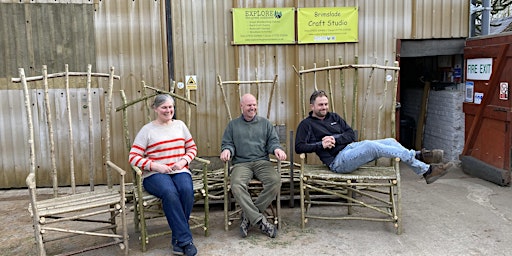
<point x="248" y="141"/>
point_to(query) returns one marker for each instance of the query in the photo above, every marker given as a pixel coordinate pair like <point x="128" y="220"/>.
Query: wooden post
<point x="50" y="132"/>
<point x="302" y="92"/>
<point x="146" y="106"/>
<point x="70" y="131"/>
<point x="107" y="128"/>
<point x="329" y="85"/>
<point x="355" y="95"/>
<point x="91" y="135"/>
<point x="365" y="104"/>
<point x="224" y="97"/>
<point x="395" y="91"/>
<point x="423" y="115"/>
<point x="269" y="106"/>
<point x="343" y="89"/>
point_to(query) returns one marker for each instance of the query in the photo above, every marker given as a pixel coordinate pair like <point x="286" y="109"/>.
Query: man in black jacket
<point x="333" y="140"/>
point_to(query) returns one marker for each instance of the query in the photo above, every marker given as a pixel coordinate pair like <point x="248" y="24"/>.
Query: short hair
<point x="160" y="99"/>
<point x="316" y="94"/>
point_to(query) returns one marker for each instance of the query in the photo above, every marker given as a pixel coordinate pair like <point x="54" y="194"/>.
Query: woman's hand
<point x="162" y="168"/>
<point x="179" y="165"/>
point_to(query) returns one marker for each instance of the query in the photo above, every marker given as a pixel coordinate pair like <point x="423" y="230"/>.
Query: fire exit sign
<point x="479" y="69"/>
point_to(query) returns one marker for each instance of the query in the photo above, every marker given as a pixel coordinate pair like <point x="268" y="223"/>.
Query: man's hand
<point x="328" y="142"/>
<point x="225" y="155"/>
<point x="280" y="154"/>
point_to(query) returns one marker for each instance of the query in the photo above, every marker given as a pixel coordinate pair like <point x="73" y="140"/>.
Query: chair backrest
<point x="145" y="98"/>
<point x="255" y="87"/>
<point x="72" y="126"/>
<point x="263" y="90"/>
<point x="361" y="114"/>
<point x="369" y="118"/>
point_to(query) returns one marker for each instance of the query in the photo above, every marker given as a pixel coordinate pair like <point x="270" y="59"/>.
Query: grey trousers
<point x="265" y="172"/>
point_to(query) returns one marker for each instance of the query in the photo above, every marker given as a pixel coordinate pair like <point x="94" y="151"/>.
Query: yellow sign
<point x="327" y="25"/>
<point x="263" y="25"/>
<point x="191" y="83"/>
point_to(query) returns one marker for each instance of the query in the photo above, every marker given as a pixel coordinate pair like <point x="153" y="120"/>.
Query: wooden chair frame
<point x="233" y="213"/>
<point x="92" y="213"/>
<point x="231" y="209"/>
<point x="148" y="207"/>
<point x="374" y="186"/>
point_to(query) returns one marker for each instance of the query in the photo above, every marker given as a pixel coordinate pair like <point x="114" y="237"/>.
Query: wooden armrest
<point x="226" y="166"/>
<point x="202" y="160"/>
<point x="117" y="168"/>
<point x="137" y="170"/>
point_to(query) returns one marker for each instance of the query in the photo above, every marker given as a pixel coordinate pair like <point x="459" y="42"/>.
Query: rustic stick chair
<point x="374" y="186"/>
<point x="231" y="212"/>
<point x="97" y="211"/>
<point x="148" y="207"/>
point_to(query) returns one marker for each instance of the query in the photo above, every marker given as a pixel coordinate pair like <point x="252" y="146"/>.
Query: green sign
<point x="327" y="25"/>
<point x="263" y="25"/>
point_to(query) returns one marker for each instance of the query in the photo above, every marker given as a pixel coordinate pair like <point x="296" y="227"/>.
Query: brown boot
<point x="436" y="171"/>
<point x="434" y="156"/>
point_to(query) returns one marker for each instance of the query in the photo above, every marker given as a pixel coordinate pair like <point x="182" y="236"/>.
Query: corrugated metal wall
<point x="131" y="36"/>
<point x="439" y="19"/>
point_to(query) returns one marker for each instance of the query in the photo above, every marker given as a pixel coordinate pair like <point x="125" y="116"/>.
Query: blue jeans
<point x="177" y="195"/>
<point x="362" y="152"/>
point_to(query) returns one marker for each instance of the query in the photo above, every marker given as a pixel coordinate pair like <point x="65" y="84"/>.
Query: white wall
<point x="444" y="125"/>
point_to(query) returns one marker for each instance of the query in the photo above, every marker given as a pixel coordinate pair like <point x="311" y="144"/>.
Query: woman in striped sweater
<point x="163" y="149"/>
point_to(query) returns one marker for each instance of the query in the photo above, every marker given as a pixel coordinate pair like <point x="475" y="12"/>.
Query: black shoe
<point x="244" y="225"/>
<point x="176" y="249"/>
<point x="267" y="228"/>
<point x="436" y="171"/>
<point x="190" y="249"/>
<point x="434" y="156"/>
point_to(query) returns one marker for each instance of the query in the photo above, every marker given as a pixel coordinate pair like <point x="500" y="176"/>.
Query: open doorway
<point x="431" y="95"/>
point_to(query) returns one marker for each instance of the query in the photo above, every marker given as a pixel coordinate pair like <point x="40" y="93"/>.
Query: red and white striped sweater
<point x="165" y="144"/>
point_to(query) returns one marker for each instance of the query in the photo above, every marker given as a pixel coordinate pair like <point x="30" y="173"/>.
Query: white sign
<point x="479" y="96"/>
<point x="479" y="69"/>
<point x="470" y="85"/>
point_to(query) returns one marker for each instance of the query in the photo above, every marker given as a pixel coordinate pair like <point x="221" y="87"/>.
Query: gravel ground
<point x="457" y="215"/>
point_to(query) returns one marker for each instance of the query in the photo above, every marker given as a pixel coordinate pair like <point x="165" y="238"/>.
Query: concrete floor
<point x="456" y="215"/>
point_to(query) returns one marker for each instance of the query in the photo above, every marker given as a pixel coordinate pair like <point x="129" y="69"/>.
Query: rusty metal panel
<point x="39" y="34"/>
<point x="488" y="143"/>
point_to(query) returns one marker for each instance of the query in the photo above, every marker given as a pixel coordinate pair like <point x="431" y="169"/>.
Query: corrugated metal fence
<point x="132" y="36"/>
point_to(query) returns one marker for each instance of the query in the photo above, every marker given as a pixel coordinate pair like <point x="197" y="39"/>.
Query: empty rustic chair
<point x="374" y="186"/>
<point x="147" y="207"/>
<point x="96" y="211"/>
<point x="231" y="210"/>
